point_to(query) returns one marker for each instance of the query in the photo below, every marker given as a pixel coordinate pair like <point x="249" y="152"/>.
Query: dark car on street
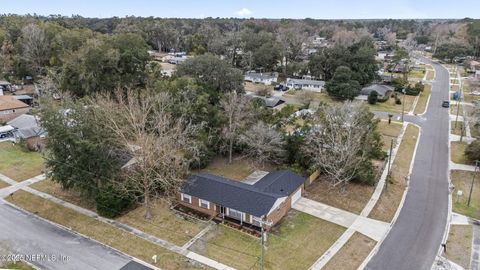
<point x="446" y="104"/>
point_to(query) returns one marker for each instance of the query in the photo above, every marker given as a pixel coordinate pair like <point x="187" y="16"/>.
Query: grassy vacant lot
<point x="296" y="243"/>
<point x="352" y="254"/>
<point x="105" y="233"/>
<point x="352" y="199"/>
<point x="423" y="99"/>
<point x="459" y="245"/>
<point x="457" y="150"/>
<point x="416" y="73"/>
<point x="462" y="180"/>
<point x="165" y="224"/>
<point x="388" y="203"/>
<point x="237" y="170"/>
<point x="19" y="164"/>
<point x="389" y="132"/>
<point x="71" y="196"/>
<point x="315" y="96"/>
<point x="390" y="106"/>
<point x="456" y="130"/>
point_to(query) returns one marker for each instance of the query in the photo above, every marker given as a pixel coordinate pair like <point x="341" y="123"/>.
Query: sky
<point x="297" y="9"/>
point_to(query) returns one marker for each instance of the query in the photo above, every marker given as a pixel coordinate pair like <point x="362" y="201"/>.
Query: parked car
<point x="446" y="104"/>
<point x="280" y="87"/>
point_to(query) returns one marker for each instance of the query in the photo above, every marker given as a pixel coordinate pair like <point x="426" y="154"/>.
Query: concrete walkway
<point x="372" y="228"/>
<point x="463" y="167"/>
<point x="19" y="185"/>
<point x="163" y="243"/>
<point x="456" y="138"/>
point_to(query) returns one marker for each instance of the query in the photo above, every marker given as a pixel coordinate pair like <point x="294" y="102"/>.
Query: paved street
<point x="22" y="233"/>
<point x="416" y="236"/>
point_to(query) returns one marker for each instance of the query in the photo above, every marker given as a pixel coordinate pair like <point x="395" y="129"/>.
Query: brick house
<point x="269" y="198"/>
<point x="10" y="108"/>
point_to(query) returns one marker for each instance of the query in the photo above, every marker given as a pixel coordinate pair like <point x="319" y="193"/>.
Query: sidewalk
<point x="163" y="243"/>
<point x="463" y="167"/>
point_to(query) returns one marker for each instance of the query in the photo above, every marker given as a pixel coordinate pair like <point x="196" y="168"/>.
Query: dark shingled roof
<point x="255" y="199"/>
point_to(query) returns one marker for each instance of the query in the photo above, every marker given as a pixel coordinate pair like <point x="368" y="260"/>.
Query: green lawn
<point x="19" y="164"/>
<point x="462" y="180"/>
<point x="457" y="150"/>
<point x="296" y="243"/>
<point x="423" y="99"/>
<point x="389" y="132"/>
<point x="390" y="106"/>
<point x="99" y="231"/>
<point x="459" y="245"/>
<point x="17" y="266"/>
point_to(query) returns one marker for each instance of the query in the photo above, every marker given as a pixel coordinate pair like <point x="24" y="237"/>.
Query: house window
<point x="186" y="198"/>
<point x="204" y="204"/>
<point x="256" y="221"/>
<point x="235" y="214"/>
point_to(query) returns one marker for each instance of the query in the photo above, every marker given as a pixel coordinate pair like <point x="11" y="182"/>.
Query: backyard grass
<point x="296" y="243"/>
<point x="459" y="245"/>
<point x="19" y="164"/>
<point x="71" y="196"/>
<point x="389" y="201"/>
<point x="104" y="233"/>
<point x="165" y="224"/>
<point x="462" y="180"/>
<point x="390" y="106"/>
<point x="457" y="150"/>
<point x="423" y="99"/>
<point x="315" y="96"/>
<point x="456" y="130"/>
<point x="352" y="254"/>
<point x="352" y="198"/>
<point x="237" y="170"/>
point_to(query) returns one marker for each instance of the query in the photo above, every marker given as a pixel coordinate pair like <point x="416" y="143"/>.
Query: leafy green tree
<point x="373" y="97"/>
<point x="342" y="86"/>
<point x="213" y="72"/>
<point x="472" y="152"/>
<point x="451" y="50"/>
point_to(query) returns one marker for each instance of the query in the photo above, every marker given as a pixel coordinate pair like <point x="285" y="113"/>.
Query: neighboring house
<point x="27" y="127"/>
<point x="305" y="84"/>
<point x="383" y="91"/>
<point x="10" y="108"/>
<point x="264" y="78"/>
<point x="269" y="198"/>
<point x="177" y="60"/>
<point x="5" y="86"/>
<point x="25" y="99"/>
<point x="6" y="131"/>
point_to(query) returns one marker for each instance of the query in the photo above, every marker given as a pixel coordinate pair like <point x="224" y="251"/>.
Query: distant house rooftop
<point x="11" y="103"/>
<point x="382" y="90"/>
<point x="27" y="126"/>
<point x="305" y="82"/>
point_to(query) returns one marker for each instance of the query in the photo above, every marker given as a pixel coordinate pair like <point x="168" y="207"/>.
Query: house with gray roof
<point x="305" y="84"/>
<point x="27" y="127"/>
<point x="264" y="78"/>
<point x="383" y="91"/>
<point x="245" y="203"/>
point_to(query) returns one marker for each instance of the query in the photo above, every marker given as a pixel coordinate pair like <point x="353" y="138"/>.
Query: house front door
<point x="222" y="210"/>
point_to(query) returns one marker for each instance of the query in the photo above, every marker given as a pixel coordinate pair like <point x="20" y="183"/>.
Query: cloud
<point x="244" y="12"/>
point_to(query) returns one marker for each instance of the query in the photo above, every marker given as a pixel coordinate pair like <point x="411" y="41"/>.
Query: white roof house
<point x="264" y="78"/>
<point x="304" y="84"/>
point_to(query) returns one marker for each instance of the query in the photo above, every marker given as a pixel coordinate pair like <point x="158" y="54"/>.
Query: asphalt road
<point x="23" y="233"/>
<point x="415" y="238"/>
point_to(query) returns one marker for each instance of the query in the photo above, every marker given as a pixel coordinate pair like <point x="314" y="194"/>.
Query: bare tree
<point x="34" y="47"/>
<point x="263" y="144"/>
<point x="237" y="114"/>
<point x="340" y="140"/>
<point x="158" y="142"/>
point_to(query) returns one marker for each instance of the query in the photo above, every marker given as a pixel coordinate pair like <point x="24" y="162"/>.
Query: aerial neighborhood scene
<point x="205" y="134"/>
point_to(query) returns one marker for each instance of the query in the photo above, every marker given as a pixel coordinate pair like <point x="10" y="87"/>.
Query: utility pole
<point x="473" y="180"/>
<point x="264" y="236"/>
<point x="403" y="103"/>
<point x="389" y="164"/>
<point x="458" y="100"/>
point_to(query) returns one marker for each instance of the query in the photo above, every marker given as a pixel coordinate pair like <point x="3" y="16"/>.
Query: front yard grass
<point x="3" y="184"/>
<point x="104" y="233"/>
<point x="423" y="99"/>
<point x="430" y="74"/>
<point x="389" y="132"/>
<point x="352" y="254"/>
<point x="462" y="180"/>
<point x="165" y="224"/>
<point x="19" y="164"/>
<point x="296" y="243"/>
<point x="353" y="198"/>
<point x="456" y="130"/>
<point x="389" y="201"/>
<point x="457" y="150"/>
<point x="390" y="106"/>
<point x="459" y="245"/>
<point x="453" y="109"/>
